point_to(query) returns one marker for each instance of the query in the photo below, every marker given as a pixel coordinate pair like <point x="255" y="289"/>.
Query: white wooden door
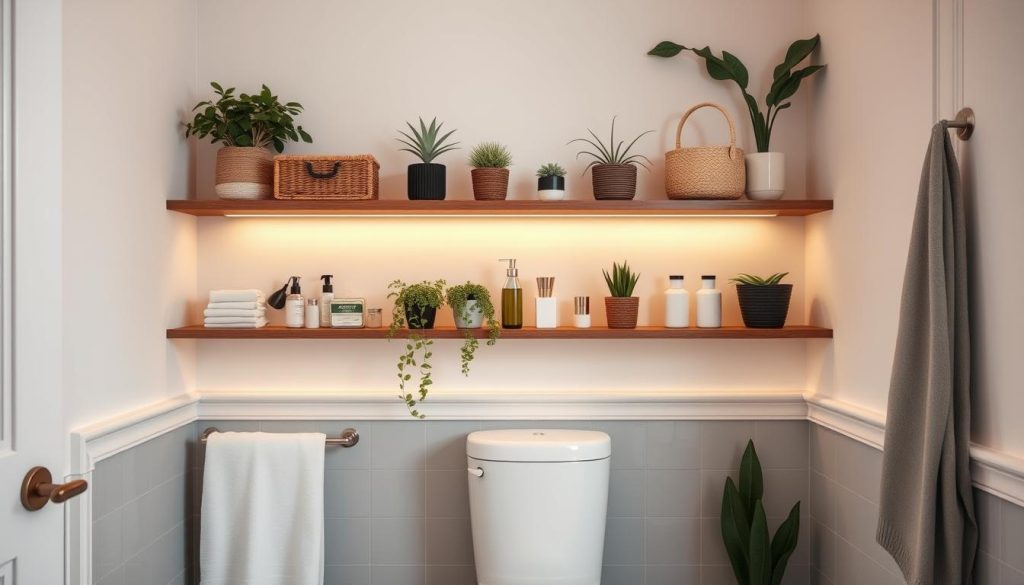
<point x="31" y="434"/>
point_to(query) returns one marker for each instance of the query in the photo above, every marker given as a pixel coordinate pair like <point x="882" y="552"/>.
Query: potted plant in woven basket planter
<point x="765" y="169"/>
<point x="490" y="162"/>
<point x="764" y="301"/>
<point x="247" y="125"/>
<point x="621" y="307"/>
<point x="426" y="179"/>
<point x="551" y="182"/>
<point x="415" y="307"/>
<point x="613" y="168"/>
<point x="471" y="304"/>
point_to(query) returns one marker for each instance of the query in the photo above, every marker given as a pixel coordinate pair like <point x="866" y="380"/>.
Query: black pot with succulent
<point x="613" y="168"/>
<point x="415" y="307"/>
<point x="764" y="301"/>
<point x="427" y="179"/>
<point x="551" y="182"/>
<point x="471" y="304"/>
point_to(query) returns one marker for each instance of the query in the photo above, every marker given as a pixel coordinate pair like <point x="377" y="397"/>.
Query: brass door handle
<point x="38" y="489"/>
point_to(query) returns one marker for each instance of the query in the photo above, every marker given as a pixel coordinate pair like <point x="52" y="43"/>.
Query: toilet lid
<point x="539" y="445"/>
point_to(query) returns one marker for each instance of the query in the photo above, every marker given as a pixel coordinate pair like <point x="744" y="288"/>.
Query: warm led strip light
<point x="502" y="215"/>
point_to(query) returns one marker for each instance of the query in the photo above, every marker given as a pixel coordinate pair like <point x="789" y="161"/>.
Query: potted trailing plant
<point x="490" y="162"/>
<point x="621" y="307"/>
<point x="551" y="182"/>
<point x="765" y="169"/>
<point x="471" y="304"/>
<point x="764" y="302"/>
<point x="426" y="179"/>
<point x="416" y="307"/>
<point x="756" y="557"/>
<point x="613" y="168"/>
<point x="247" y="125"/>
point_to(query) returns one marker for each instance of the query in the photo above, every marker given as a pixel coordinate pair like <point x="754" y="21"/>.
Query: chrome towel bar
<point x="348" y="438"/>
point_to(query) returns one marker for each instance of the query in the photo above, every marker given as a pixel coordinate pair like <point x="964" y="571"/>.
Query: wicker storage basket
<point x="326" y="177"/>
<point x="705" y="172"/>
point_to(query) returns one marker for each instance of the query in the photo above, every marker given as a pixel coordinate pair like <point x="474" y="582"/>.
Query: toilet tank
<point x="538" y="499"/>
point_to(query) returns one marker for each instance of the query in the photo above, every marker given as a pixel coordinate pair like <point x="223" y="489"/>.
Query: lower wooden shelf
<point x="278" y="332"/>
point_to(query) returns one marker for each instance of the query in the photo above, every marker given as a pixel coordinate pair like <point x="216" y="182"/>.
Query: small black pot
<point x="764" y="306"/>
<point x="551" y="183"/>
<point x="417" y="317"/>
<point x="426" y="181"/>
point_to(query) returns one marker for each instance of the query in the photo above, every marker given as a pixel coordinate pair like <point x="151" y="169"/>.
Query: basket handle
<point x="732" y="129"/>
<point x="324" y="175"/>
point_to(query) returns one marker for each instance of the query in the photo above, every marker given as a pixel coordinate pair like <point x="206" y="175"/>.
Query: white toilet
<point x="537" y="500"/>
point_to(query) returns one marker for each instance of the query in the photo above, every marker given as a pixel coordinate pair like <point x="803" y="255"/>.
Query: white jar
<point x="312" y="314"/>
<point x="547" y="312"/>
<point x="709" y="303"/>
<point x="677" y="303"/>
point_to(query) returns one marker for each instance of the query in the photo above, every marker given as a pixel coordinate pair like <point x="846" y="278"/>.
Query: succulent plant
<point x="612" y="153"/>
<point x="424" y="142"/>
<point x="490" y="155"/>
<point x="551" y="170"/>
<point x="622" y="280"/>
<point x="744" y="278"/>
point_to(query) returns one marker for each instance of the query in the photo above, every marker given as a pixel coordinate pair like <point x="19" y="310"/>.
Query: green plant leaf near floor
<point x="247" y="120"/>
<point x="621" y="281"/>
<point x="612" y="153"/>
<point x="457" y="297"/>
<point x="415" y="360"/>
<point x="744" y="278"/>
<point x="424" y="142"/>
<point x="785" y="80"/>
<point x="490" y="155"/>
<point x="756" y="558"/>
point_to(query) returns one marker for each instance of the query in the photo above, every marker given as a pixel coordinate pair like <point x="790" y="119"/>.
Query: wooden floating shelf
<point x="524" y="208"/>
<point x="279" y="332"/>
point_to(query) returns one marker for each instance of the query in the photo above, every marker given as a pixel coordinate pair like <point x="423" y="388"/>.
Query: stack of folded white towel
<point x="245" y="309"/>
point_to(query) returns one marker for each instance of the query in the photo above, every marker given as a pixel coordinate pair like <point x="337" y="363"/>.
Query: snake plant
<point x="621" y="281"/>
<point x="424" y="143"/>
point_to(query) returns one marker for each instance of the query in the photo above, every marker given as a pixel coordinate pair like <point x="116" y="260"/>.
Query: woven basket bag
<point x="705" y="172"/>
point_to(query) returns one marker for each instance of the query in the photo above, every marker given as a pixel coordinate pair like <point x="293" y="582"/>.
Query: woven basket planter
<point x="622" y="311"/>
<point x="490" y="184"/>
<point x="614" y="181"/>
<point x="705" y="172"/>
<point x="764" y="307"/>
<point x="326" y="177"/>
<point x="244" y="172"/>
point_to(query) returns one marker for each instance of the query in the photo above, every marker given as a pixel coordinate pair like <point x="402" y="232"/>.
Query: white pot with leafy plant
<point x="621" y="307"/>
<point x="427" y="179"/>
<point x="416" y="308"/>
<point x="613" y="168"/>
<point x="490" y="162"/>
<point x="756" y="556"/>
<point x="766" y="170"/>
<point x="551" y="182"/>
<point x="248" y="125"/>
<point x="471" y="304"/>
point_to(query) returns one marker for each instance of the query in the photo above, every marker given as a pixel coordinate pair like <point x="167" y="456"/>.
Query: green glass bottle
<point x="511" y="298"/>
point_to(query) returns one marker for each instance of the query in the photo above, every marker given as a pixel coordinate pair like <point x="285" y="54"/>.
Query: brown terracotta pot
<point x="490" y="184"/>
<point x="244" y="172"/>
<point x="621" y="311"/>
<point x="614" y="181"/>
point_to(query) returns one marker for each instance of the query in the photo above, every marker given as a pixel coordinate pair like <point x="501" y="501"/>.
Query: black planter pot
<point x="426" y="181"/>
<point x="764" y="306"/>
<point x="417" y="317"/>
<point x="551" y="183"/>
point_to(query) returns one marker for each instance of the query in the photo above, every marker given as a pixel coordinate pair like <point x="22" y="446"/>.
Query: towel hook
<point x="964" y="123"/>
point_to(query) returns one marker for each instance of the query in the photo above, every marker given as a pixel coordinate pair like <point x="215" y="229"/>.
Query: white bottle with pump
<point x="295" y="306"/>
<point x="326" y="296"/>
<point x="677" y="303"/>
<point x="709" y="303"/>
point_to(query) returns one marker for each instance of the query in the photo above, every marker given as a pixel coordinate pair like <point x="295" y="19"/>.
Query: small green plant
<point x="622" y="280"/>
<point x="258" y="119"/>
<point x="490" y="155"/>
<point x="744" y="278"/>
<point x="457" y="296"/>
<point x="612" y="153"/>
<point x="551" y="170"/>
<point x="411" y="304"/>
<point x="424" y="143"/>
<point x="755" y="559"/>
<point x="784" y="85"/>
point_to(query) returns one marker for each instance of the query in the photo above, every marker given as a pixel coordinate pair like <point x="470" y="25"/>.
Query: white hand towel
<point x="250" y="295"/>
<point x="237" y="305"/>
<point x="234" y="312"/>
<point x="227" y="320"/>
<point x="263" y="509"/>
<point x="255" y="325"/>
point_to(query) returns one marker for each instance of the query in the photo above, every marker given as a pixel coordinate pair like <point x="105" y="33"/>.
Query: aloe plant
<point x="744" y="278"/>
<point x="424" y="143"/>
<point x="621" y="281"/>
<point x="612" y="153"/>
<point x="784" y="84"/>
<point x="756" y="559"/>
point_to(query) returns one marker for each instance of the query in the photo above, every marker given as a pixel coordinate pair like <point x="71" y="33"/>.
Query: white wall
<point x="128" y="265"/>
<point x="533" y="75"/>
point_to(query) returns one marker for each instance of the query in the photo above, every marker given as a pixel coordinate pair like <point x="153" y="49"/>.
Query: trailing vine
<point x="411" y="305"/>
<point x="457" y="297"/>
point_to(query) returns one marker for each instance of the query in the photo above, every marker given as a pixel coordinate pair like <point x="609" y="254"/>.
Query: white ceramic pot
<point x="766" y="175"/>
<point x="475" y="316"/>
<point x="551" y="194"/>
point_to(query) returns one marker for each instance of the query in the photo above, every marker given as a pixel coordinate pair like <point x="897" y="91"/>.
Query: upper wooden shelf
<point x="525" y="208"/>
<point x="278" y="332"/>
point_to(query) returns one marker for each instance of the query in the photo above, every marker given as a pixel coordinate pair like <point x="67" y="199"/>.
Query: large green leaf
<point x="751" y="477"/>
<point x="760" y="548"/>
<point x="784" y="87"/>
<point x="666" y="49"/>
<point x="797" y="52"/>
<point x="739" y="71"/>
<point x="784" y="543"/>
<point x="716" y="67"/>
<point x="736" y="532"/>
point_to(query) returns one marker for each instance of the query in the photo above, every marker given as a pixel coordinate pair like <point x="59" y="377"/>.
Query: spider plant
<point x="612" y="153"/>
<point x="424" y="141"/>
<point x="744" y="278"/>
<point x="622" y="280"/>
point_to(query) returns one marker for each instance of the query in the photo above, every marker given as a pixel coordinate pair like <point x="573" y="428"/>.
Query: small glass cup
<point x="374" y="318"/>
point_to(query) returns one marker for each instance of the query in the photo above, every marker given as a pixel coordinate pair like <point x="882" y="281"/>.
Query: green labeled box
<point x="347" y="312"/>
